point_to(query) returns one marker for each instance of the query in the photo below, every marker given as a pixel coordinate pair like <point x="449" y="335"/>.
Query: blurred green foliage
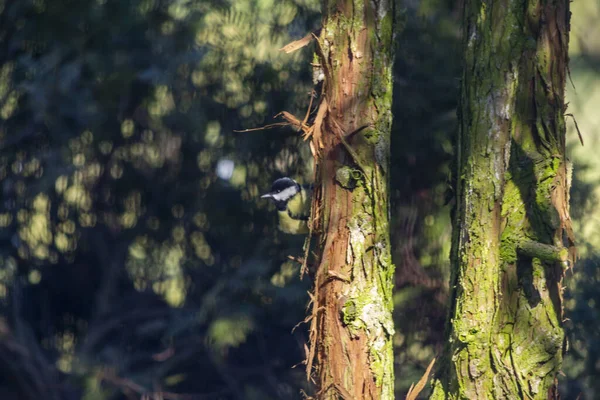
<point x="582" y="364"/>
<point x="136" y="256"/>
<point x="135" y="247"/>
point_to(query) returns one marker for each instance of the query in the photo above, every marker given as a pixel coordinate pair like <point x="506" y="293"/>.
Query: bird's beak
<point x="266" y="196"/>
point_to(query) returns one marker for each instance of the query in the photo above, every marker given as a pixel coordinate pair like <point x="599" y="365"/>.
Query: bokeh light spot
<point x="225" y="168"/>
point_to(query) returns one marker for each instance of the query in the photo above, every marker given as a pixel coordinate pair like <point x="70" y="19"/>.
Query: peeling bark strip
<point x="352" y="327"/>
<point x="512" y="231"/>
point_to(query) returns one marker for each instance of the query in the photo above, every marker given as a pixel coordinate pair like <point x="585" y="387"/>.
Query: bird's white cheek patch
<point x="285" y="194"/>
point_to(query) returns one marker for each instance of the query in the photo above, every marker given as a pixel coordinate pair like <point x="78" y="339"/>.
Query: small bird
<point x="293" y="202"/>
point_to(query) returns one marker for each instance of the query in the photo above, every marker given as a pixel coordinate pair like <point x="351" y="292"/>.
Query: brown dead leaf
<point x="289" y="117"/>
<point x="317" y="134"/>
<point x="414" y="390"/>
<point x="297" y="44"/>
<point x="312" y="96"/>
<point x="312" y="149"/>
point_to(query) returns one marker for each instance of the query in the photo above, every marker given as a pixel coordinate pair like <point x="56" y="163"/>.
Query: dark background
<point x="136" y="256"/>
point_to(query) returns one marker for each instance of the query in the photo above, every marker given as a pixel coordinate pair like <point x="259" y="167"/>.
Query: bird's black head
<point x="282" y="190"/>
<point x="282" y="184"/>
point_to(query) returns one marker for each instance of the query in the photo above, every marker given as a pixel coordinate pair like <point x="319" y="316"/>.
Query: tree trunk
<point x="352" y="327"/>
<point x="512" y="233"/>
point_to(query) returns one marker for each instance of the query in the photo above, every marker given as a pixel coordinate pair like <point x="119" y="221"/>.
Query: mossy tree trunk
<point x="352" y="327"/>
<point x="512" y="234"/>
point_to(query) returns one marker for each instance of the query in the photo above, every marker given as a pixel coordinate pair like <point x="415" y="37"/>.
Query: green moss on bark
<point x="512" y="212"/>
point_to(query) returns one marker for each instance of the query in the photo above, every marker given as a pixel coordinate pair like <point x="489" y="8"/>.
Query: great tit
<point x="293" y="202"/>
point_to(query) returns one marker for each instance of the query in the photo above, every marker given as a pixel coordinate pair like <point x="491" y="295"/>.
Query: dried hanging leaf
<point x="293" y="121"/>
<point x="312" y="96"/>
<point x="414" y="391"/>
<point x="297" y="44"/>
<point x="317" y="134"/>
<point x="312" y="149"/>
<point x="308" y="133"/>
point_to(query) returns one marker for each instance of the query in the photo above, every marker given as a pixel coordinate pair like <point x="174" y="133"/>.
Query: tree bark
<point x="352" y="326"/>
<point x="512" y="233"/>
